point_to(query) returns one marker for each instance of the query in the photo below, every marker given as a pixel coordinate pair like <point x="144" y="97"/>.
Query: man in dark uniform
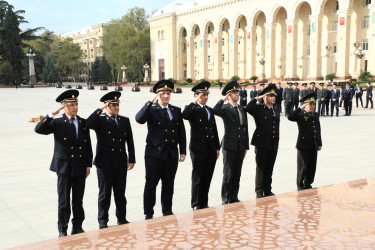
<point x="312" y="88"/>
<point x="322" y="98"/>
<point x="335" y="97"/>
<point x="358" y="94"/>
<point x="261" y="87"/>
<point x="243" y="96"/>
<point x="303" y="91"/>
<point x="279" y="97"/>
<point x="347" y="96"/>
<point x="253" y="92"/>
<point x="287" y="99"/>
<point x="309" y="141"/>
<point x="112" y="163"/>
<point x="328" y="99"/>
<point x="235" y="142"/>
<point x="166" y="131"/>
<point x="72" y="158"/>
<point x="369" y="95"/>
<point x="295" y="96"/>
<point x="265" y="139"/>
<point x="204" y="144"/>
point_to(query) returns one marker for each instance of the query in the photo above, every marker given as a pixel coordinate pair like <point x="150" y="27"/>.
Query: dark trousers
<point x="335" y="104"/>
<point x="321" y="107"/>
<point x="201" y="176"/>
<point x="306" y="167"/>
<point x="369" y="99"/>
<point x="65" y="185"/>
<point x="108" y="179"/>
<point x="327" y="107"/>
<point x="288" y="108"/>
<point x="265" y="160"/>
<point x="157" y="169"/>
<point x="347" y="105"/>
<point x="295" y="105"/>
<point x="279" y="106"/>
<point x="356" y="100"/>
<point x="231" y="175"/>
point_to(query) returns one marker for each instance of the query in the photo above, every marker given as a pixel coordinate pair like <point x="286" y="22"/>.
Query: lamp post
<point x="262" y="61"/>
<point x="146" y="67"/>
<point x="124" y="80"/>
<point x="360" y="54"/>
<point x="32" y="77"/>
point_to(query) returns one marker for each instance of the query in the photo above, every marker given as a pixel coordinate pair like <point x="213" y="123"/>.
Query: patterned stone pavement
<point x="28" y="197"/>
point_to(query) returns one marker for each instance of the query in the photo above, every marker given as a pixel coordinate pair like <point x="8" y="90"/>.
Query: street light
<point x="359" y="53"/>
<point x="146" y="67"/>
<point x="262" y="61"/>
<point x="124" y="80"/>
<point x="32" y="77"/>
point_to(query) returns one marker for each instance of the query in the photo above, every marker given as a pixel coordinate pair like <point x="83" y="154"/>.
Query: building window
<point x="208" y="44"/>
<point x="335" y="26"/>
<point x="222" y="42"/>
<point x="185" y="74"/>
<point x="365" y="44"/>
<point x="208" y="73"/>
<point x="195" y="60"/>
<point x="308" y="50"/>
<point x="209" y="30"/>
<point x="365" y="22"/>
<point x="184" y="47"/>
<point x="337" y="6"/>
<point x="195" y="73"/>
<point x="223" y="57"/>
<point x="335" y="48"/>
<point x="367" y="2"/>
<point x="223" y="27"/>
<point x="208" y="59"/>
<point x="195" y="45"/>
<point x="239" y="56"/>
<point x="239" y="40"/>
<point x="222" y="73"/>
<point x="309" y="30"/>
<point x="196" y="31"/>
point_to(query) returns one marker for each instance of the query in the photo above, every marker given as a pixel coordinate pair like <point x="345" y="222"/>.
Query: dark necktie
<point x="114" y="120"/>
<point x="236" y="108"/>
<point x="205" y="108"/>
<point x="166" y="114"/>
<point x="72" y="127"/>
<point x="273" y="113"/>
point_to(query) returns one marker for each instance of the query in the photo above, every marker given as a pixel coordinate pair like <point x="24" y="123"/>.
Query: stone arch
<point x="275" y="11"/>
<point x="238" y="18"/>
<point x="208" y="24"/>
<point x="222" y="21"/>
<point x="193" y="27"/>
<point x="298" y="5"/>
<point x="182" y="31"/>
<point x="256" y="14"/>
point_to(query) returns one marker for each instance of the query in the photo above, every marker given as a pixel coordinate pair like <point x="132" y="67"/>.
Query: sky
<point x="64" y="16"/>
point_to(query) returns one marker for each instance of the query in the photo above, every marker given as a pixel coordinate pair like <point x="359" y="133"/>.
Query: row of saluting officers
<point x="166" y="147"/>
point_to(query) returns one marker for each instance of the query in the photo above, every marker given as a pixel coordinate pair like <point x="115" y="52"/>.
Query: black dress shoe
<point x="63" y="234"/>
<point x="168" y="213"/>
<point x="205" y="206"/>
<point x="268" y="194"/>
<point x="120" y="222"/>
<point x="259" y="196"/>
<point x="148" y="216"/>
<point x="197" y="208"/>
<point x="77" y="230"/>
<point x="233" y="201"/>
<point x="224" y="202"/>
<point x="101" y="226"/>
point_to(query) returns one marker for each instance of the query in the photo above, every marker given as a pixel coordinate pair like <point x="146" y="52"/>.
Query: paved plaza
<point x="28" y="196"/>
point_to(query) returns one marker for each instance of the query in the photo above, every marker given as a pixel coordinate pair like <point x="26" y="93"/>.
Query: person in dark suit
<point x="243" y="96"/>
<point x="312" y="88"/>
<point x="279" y="97"/>
<point x="72" y="158"/>
<point x="113" y="131"/>
<point x="369" y="95"/>
<point x="166" y="131"/>
<point x="204" y="144"/>
<point x="235" y="142"/>
<point x="265" y="139"/>
<point x="303" y="91"/>
<point x="309" y="141"/>
<point x="322" y="98"/>
<point x="358" y="94"/>
<point x="261" y="87"/>
<point x="347" y="96"/>
<point x="295" y="96"/>
<point x="328" y="99"/>
<point x="253" y="92"/>
<point x="288" y="99"/>
<point x="335" y="99"/>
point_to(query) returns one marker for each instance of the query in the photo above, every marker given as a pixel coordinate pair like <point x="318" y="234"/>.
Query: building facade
<point x="273" y="39"/>
<point x="90" y="41"/>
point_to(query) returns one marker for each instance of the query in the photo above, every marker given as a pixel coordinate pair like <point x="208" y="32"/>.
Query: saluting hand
<point x="304" y="106"/>
<point x="130" y="166"/>
<point x="155" y="97"/>
<point x="57" y="111"/>
<point x="319" y="148"/>
<point x="217" y="154"/>
<point x="104" y="105"/>
<point x="260" y="97"/>
<point x="182" y="158"/>
<point x="226" y="97"/>
<point x="87" y="172"/>
<point x="198" y="97"/>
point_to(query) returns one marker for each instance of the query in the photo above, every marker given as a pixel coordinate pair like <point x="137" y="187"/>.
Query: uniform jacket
<point x="312" y="90"/>
<point x="288" y="95"/>
<point x="111" y="139"/>
<point x="303" y="93"/>
<point x="335" y="94"/>
<point x="266" y="134"/>
<point x="243" y="94"/>
<point x="309" y="136"/>
<point x="163" y="137"/>
<point x="253" y="94"/>
<point x="203" y="133"/>
<point x="71" y="156"/>
<point x="347" y="94"/>
<point x="369" y="91"/>
<point x="279" y="92"/>
<point x="236" y="136"/>
<point x="322" y="93"/>
<point x="296" y="95"/>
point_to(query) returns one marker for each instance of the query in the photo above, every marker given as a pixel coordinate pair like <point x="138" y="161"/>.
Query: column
<point x="250" y="51"/>
<point x="291" y="47"/>
<point x="203" y="62"/>
<point x="217" y="57"/>
<point x="343" y="44"/>
<point x="190" y="57"/>
<point x="315" y="48"/>
<point x="371" y="41"/>
<point x="270" y="50"/>
<point x="233" y="52"/>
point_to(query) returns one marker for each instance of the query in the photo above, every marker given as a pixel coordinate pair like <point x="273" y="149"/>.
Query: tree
<point x="253" y="78"/>
<point x="68" y="58"/>
<point x="50" y="73"/>
<point x="95" y="70"/>
<point x="331" y="77"/>
<point x="6" y="73"/>
<point x="105" y="70"/>
<point x="365" y="76"/>
<point x="235" y="78"/>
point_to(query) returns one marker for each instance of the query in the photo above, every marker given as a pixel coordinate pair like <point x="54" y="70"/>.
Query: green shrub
<point x="189" y="80"/>
<point x="365" y="76"/>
